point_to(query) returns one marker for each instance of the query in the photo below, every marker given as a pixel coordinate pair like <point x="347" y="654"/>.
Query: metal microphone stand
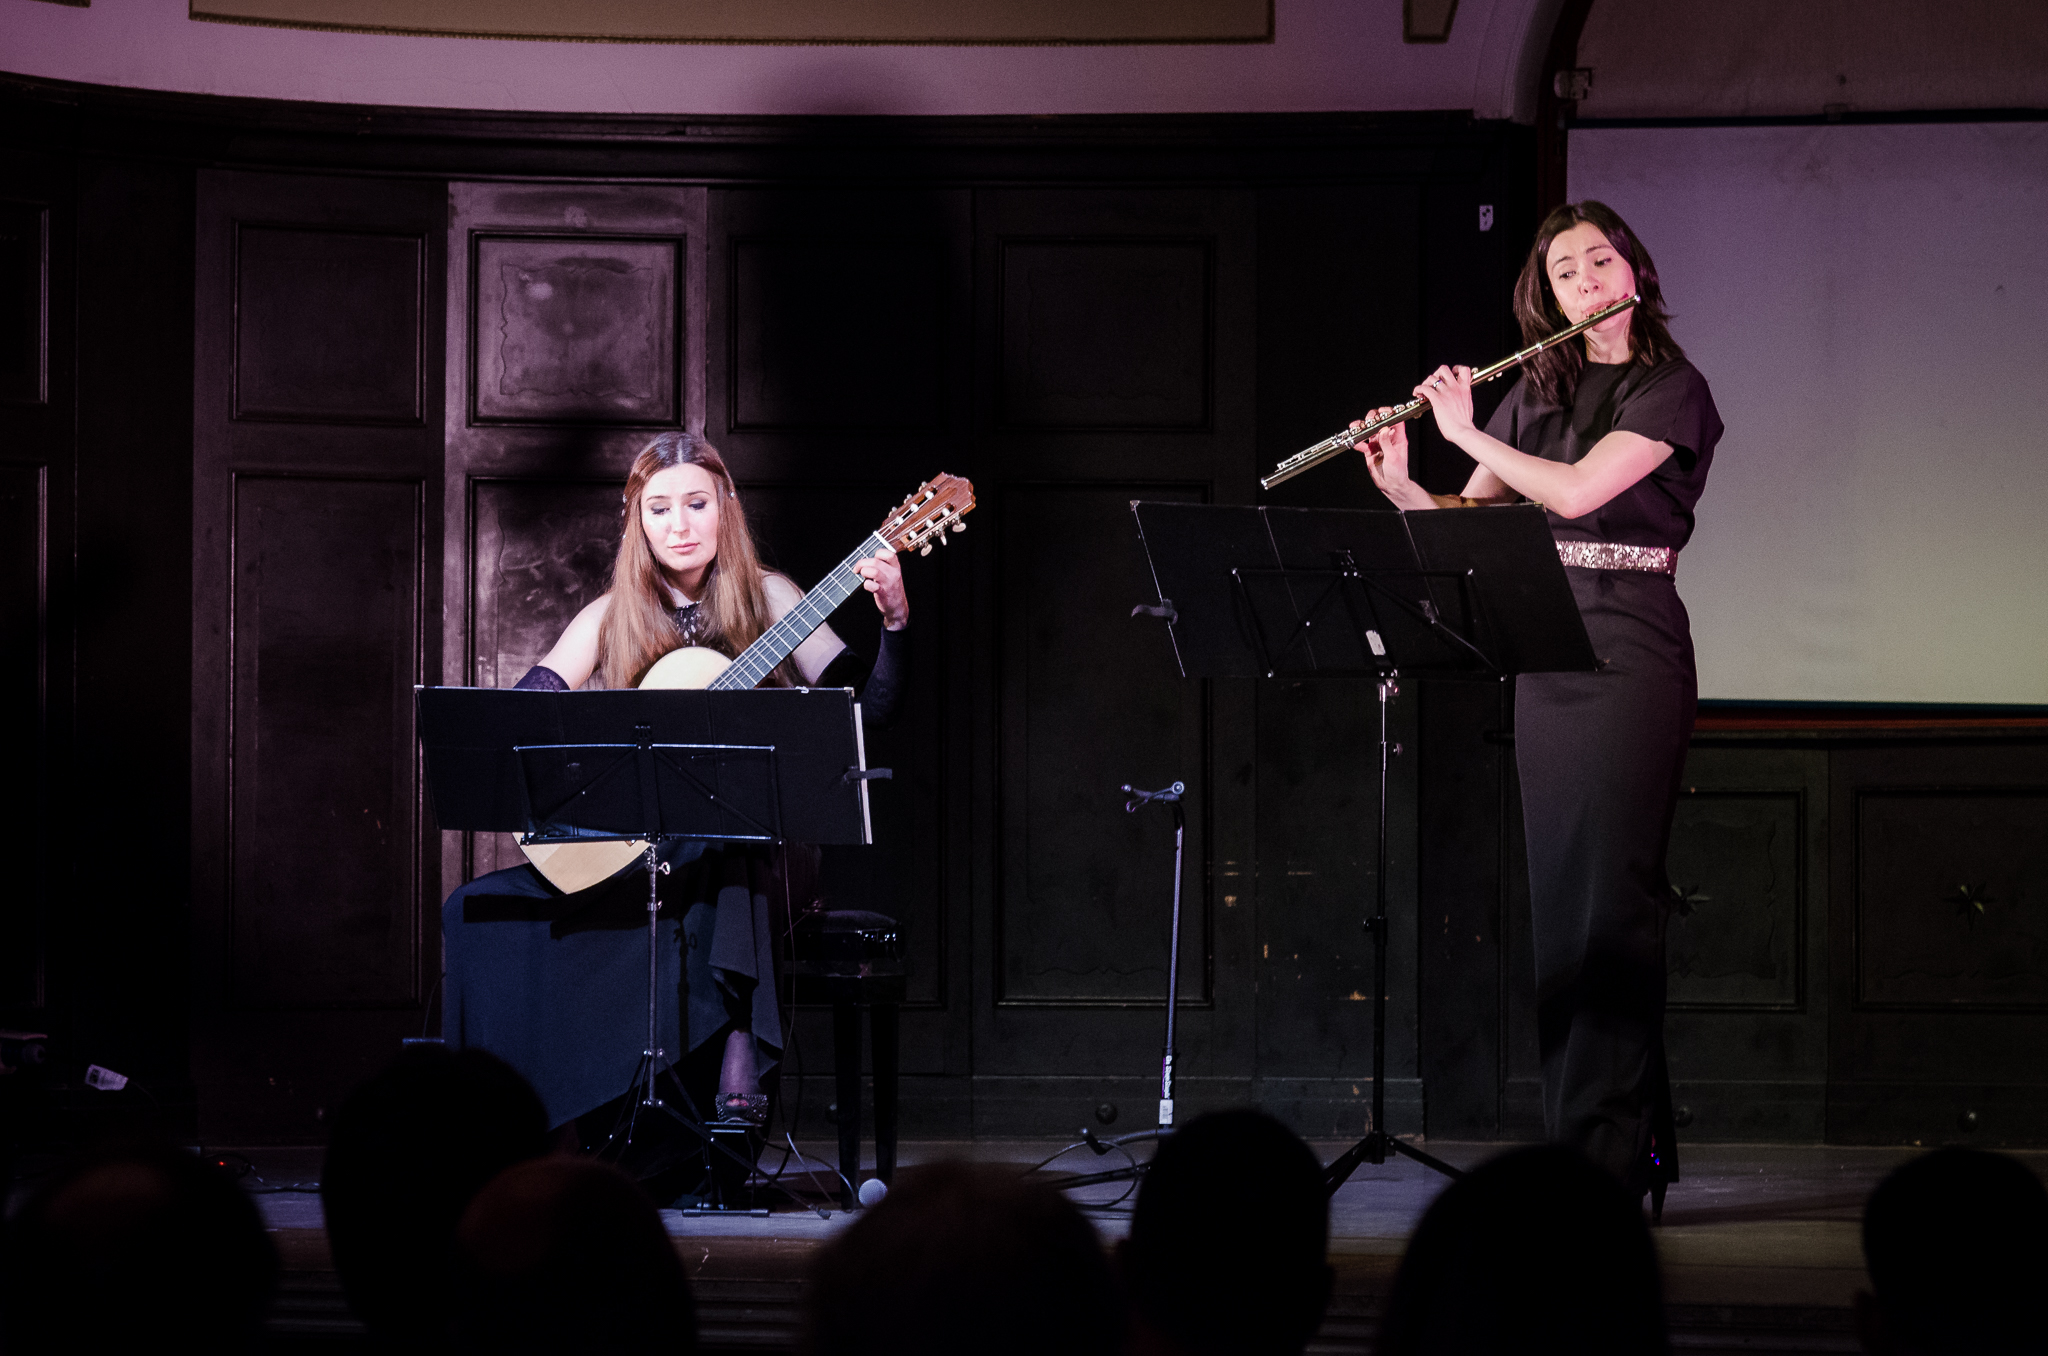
<point x="1168" y="796"/>
<point x="1134" y="798"/>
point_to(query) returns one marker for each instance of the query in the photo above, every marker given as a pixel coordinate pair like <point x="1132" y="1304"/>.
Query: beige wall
<point x="1763" y="58"/>
<point x="1326" y="55"/>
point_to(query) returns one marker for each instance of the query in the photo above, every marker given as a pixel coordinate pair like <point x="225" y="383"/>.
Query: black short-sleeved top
<point x="1668" y="403"/>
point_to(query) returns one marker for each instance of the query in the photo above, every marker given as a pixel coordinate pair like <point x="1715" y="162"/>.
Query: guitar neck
<point x="758" y="660"/>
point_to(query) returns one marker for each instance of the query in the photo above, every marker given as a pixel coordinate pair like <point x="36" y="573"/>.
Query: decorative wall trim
<point x="1056" y="23"/>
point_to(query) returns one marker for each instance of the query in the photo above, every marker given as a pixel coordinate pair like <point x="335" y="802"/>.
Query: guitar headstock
<point x="932" y="510"/>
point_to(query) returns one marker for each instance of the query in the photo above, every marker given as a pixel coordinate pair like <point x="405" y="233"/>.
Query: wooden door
<point x="316" y="572"/>
<point x="838" y="379"/>
<point x="574" y="334"/>
<point x="1115" y="349"/>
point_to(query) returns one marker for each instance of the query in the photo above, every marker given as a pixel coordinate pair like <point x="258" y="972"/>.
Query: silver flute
<point x="1339" y="443"/>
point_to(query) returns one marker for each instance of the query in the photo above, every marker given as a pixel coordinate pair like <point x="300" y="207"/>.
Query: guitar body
<point x="570" y="867"/>
<point x="920" y="522"/>
<point x="693" y="666"/>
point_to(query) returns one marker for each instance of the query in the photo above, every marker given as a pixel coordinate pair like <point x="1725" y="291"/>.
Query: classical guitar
<point x="921" y="521"/>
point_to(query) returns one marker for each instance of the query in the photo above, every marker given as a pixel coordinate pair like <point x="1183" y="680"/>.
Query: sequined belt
<point x="1608" y="555"/>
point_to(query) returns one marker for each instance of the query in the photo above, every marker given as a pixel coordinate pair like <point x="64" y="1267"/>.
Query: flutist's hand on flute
<point x="1386" y="457"/>
<point x="1449" y="393"/>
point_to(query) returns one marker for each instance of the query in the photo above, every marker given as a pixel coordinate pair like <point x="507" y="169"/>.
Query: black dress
<point x="1600" y="756"/>
<point x="556" y="985"/>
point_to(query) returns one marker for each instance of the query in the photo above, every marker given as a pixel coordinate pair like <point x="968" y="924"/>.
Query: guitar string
<point x="784" y="636"/>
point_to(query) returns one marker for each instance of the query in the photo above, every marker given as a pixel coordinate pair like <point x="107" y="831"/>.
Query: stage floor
<point x="1759" y="1243"/>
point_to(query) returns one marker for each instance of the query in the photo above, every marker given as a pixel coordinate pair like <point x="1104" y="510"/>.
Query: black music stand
<point x="1271" y="592"/>
<point x="765" y="765"/>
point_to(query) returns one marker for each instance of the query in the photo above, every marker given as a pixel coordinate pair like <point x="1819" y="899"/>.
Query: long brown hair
<point x="639" y="627"/>
<point x="1553" y="374"/>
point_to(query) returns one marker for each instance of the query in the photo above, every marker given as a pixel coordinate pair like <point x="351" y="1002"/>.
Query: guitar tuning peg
<point x="926" y="549"/>
<point x="959" y="527"/>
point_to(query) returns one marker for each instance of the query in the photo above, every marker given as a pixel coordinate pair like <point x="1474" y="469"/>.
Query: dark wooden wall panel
<point x="1952" y="900"/>
<point x="1106" y="334"/>
<point x="316" y="473"/>
<point x="543" y="552"/>
<point x="32" y="440"/>
<point x="328" y="325"/>
<point x="325" y="910"/>
<point x="841" y="331"/>
<point x="1736" y="937"/>
<point x="1935" y="1022"/>
<point x="115" y="951"/>
<point x="1081" y="918"/>
<point x="835" y="334"/>
<point x="24" y="301"/>
<point x="24" y="795"/>
<point x="1746" y="943"/>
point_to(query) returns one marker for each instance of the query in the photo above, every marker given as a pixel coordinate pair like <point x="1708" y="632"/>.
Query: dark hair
<point x="1553" y="375"/>
<point x="136" y="1246"/>
<point x="406" y="1153"/>
<point x="1537" y="1251"/>
<point x="1956" y="1240"/>
<point x="1219" y="1181"/>
<point x="568" y="1255"/>
<point x="964" y="1257"/>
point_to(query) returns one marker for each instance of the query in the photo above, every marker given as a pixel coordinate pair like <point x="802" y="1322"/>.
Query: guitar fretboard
<point x="758" y="660"/>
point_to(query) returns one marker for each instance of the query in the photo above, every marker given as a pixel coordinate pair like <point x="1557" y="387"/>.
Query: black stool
<point x="853" y="959"/>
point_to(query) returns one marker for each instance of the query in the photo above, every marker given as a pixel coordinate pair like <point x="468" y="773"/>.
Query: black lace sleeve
<point x="883" y="693"/>
<point x="880" y="685"/>
<point x="541" y="678"/>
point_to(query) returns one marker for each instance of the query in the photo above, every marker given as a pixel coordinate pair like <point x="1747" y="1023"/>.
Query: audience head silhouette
<point x="964" y="1257"/>
<point x="1228" y="1243"/>
<point x="136" y="1247"/>
<point x="405" y="1155"/>
<point x="1956" y="1242"/>
<point x="562" y="1256"/>
<point x="1537" y="1252"/>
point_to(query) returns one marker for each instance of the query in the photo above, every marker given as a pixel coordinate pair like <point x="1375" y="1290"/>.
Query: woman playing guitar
<point x="687" y="574"/>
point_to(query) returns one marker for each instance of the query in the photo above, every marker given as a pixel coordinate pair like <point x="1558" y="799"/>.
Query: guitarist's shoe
<point x="750" y="1107"/>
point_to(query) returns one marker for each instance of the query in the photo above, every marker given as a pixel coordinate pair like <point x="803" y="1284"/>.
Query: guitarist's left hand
<point x="884" y="575"/>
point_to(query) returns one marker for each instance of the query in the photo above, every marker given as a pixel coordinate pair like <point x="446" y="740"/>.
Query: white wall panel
<point x="1870" y="305"/>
